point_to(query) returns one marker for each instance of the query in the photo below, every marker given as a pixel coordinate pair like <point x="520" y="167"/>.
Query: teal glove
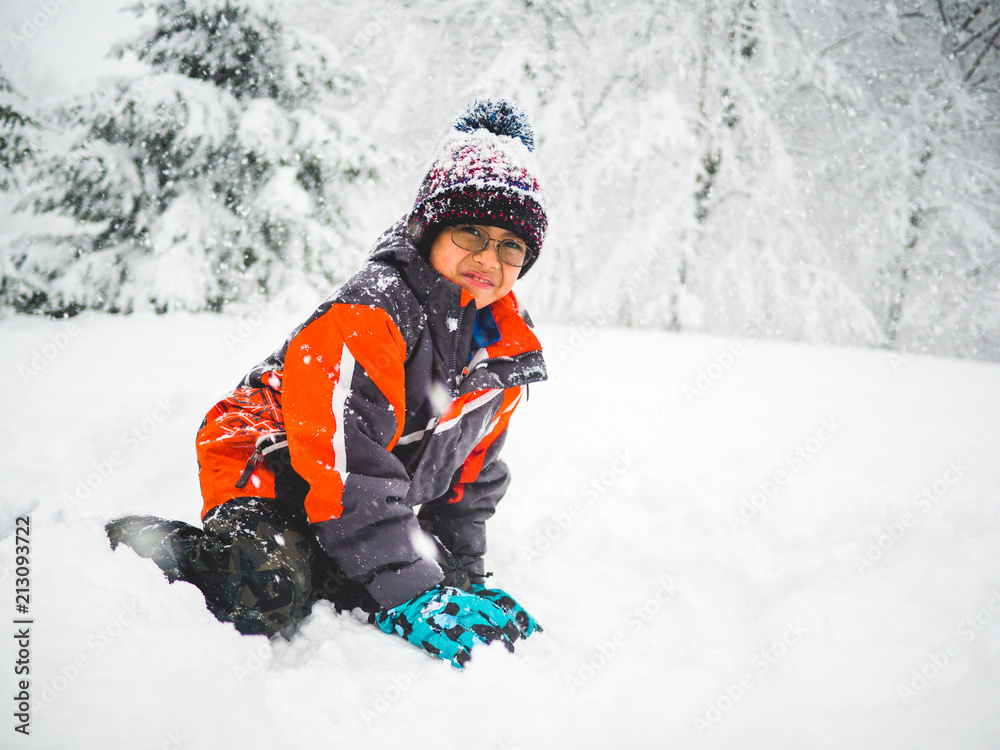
<point x="448" y="622"/>
<point x="526" y="624"/>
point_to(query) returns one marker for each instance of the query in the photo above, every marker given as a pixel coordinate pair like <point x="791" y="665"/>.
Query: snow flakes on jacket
<point x="381" y="409"/>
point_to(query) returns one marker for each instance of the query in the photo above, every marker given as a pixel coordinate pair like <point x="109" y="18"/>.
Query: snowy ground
<point x="857" y="607"/>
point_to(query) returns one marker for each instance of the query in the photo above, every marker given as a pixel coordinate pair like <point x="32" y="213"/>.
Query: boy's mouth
<point x="478" y="280"/>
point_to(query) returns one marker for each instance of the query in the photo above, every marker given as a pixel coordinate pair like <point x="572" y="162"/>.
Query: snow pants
<point x="259" y="564"/>
<point x="261" y="568"/>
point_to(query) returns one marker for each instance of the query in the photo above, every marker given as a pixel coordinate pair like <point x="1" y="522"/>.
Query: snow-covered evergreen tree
<point x="213" y="178"/>
<point x="816" y="171"/>
<point x="15" y="141"/>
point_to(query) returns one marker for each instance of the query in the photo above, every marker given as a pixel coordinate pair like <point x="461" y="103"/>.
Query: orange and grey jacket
<point x="382" y="409"/>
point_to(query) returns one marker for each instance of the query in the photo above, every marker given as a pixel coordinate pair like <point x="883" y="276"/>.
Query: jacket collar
<point x="451" y="311"/>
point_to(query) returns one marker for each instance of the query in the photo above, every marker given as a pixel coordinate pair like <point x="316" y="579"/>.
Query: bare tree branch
<point x="972" y="17"/>
<point x="973" y="38"/>
<point x="704" y="60"/>
<point x="842" y="42"/>
<point x="737" y="10"/>
<point x="982" y="54"/>
<point x="944" y="14"/>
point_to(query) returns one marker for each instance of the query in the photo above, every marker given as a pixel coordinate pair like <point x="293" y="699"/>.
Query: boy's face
<point x="485" y="277"/>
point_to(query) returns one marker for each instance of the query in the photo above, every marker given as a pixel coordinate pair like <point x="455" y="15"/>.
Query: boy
<point x="380" y="422"/>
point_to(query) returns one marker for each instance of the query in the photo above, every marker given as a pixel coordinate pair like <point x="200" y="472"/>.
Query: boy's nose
<point x="489" y="257"/>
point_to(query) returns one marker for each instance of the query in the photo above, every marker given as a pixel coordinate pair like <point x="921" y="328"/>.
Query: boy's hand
<point x="448" y="622"/>
<point x="526" y="624"/>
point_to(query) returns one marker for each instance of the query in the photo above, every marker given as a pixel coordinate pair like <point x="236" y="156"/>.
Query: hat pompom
<point x="500" y="117"/>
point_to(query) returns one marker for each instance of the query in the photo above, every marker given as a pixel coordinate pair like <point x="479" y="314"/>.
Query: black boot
<point x="170" y="544"/>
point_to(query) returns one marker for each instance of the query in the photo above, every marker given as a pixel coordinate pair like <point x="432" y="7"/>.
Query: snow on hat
<point x="484" y="173"/>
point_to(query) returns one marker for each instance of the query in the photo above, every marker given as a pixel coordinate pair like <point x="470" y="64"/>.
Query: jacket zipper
<point x="460" y="372"/>
<point x="267" y="443"/>
<point x="251" y="465"/>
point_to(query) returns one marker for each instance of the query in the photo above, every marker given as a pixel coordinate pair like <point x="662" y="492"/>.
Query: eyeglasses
<point x="474" y="239"/>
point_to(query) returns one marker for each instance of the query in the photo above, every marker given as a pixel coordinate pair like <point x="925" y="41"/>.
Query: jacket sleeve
<point x="459" y="520"/>
<point x="344" y="405"/>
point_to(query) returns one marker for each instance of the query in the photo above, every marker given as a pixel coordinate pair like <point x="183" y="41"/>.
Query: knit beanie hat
<point x="484" y="173"/>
